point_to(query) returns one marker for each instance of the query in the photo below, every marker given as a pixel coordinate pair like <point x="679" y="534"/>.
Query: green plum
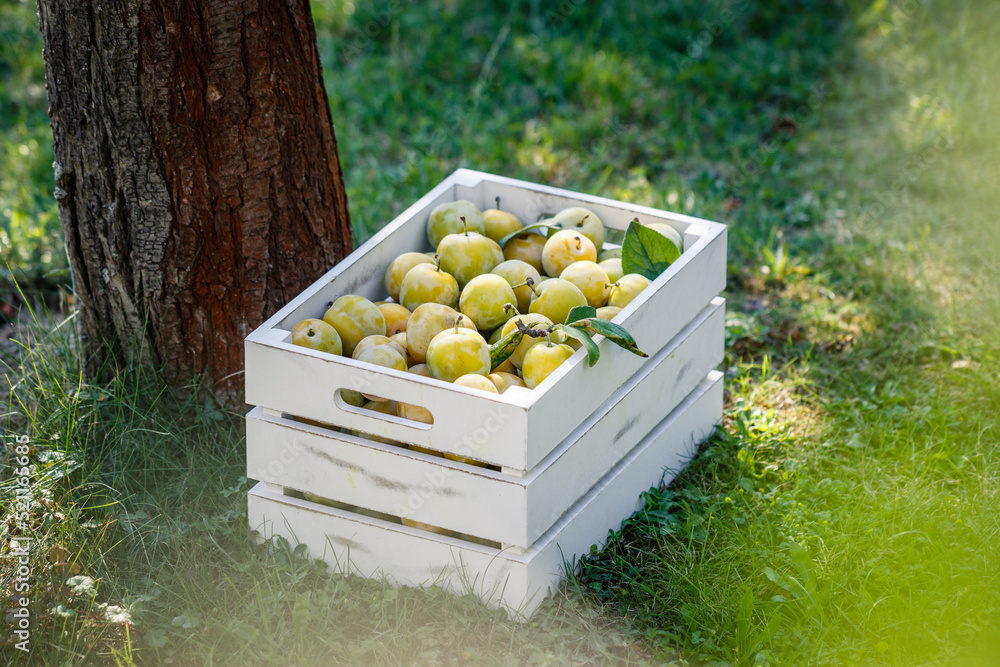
<point x="399" y="268"/>
<point x="541" y="360"/>
<point x="608" y="312"/>
<point x="498" y="224"/>
<point x="498" y="257"/>
<point x="483" y="300"/>
<point x="526" y="247"/>
<point x="582" y="220"/>
<point x="396" y="316"/>
<point x="427" y="283"/>
<point x="400" y="339"/>
<point x="555" y="298"/>
<point x="613" y="267"/>
<point x="423" y="370"/>
<point x="531" y="321"/>
<point x="373" y="341"/>
<point x="447" y="219"/>
<point x="476" y="381"/>
<point x="590" y="279"/>
<point x="504" y="381"/>
<point x="516" y="272"/>
<point x="352" y="397"/>
<point x="609" y="253"/>
<point x="415" y="412"/>
<point x="354" y="317"/>
<point x="426" y="322"/>
<point x="626" y="289"/>
<point x="385" y="356"/>
<point x="317" y="335"/>
<point x="455" y="352"/>
<point x="466" y="255"/>
<point x="565" y="247"/>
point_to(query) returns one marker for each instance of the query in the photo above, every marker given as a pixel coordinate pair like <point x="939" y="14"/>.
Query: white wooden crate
<point x="515" y="581"/>
<point x="284" y="378"/>
<point x="506" y="509"/>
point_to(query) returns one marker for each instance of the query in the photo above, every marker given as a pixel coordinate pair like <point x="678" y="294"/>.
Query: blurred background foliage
<point x="31" y="248"/>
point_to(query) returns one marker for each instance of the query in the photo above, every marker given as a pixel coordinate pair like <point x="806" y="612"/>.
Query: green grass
<point x="846" y="511"/>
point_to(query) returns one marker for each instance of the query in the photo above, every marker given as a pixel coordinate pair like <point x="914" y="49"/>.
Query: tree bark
<point x="196" y="172"/>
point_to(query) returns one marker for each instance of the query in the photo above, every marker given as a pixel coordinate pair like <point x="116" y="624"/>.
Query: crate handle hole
<point x="413" y="416"/>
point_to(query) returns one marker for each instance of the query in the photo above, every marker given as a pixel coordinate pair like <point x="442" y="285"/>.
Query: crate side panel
<point x="602" y="442"/>
<point x="466" y="422"/>
<point x="653" y="319"/>
<point x="405" y="484"/>
<point x="664" y="452"/>
<point x="376" y="549"/>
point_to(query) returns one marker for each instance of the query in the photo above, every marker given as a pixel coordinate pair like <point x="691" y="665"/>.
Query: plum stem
<point x="465" y="225"/>
<point x="498" y="202"/>
<point x="528" y="282"/>
<point x="507" y="307"/>
<point x="534" y="333"/>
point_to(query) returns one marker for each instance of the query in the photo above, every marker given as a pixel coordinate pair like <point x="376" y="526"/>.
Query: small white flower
<point x="116" y="614"/>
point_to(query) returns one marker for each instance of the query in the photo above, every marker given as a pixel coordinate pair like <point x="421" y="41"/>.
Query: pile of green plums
<point x="444" y="309"/>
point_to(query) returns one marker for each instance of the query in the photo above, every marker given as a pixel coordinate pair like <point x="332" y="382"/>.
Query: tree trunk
<point x="196" y="172"/>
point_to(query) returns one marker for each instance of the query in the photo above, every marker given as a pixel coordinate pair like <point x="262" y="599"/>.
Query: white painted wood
<point x="497" y="506"/>
<point x="517" y="582"/>
<point x="514" y="430"/>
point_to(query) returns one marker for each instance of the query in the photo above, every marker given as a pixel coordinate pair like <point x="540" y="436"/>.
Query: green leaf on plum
<point x="545" y="224"/>
<point x="593" y="353"/>
<point x="579" y="313"/>
<point x="646" y="251"/>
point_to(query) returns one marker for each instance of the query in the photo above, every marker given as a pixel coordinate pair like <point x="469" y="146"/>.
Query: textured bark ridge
<point x="196" y="172"/>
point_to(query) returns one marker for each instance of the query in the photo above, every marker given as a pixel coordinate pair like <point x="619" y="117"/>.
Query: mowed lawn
<point x="845" y="513"/>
